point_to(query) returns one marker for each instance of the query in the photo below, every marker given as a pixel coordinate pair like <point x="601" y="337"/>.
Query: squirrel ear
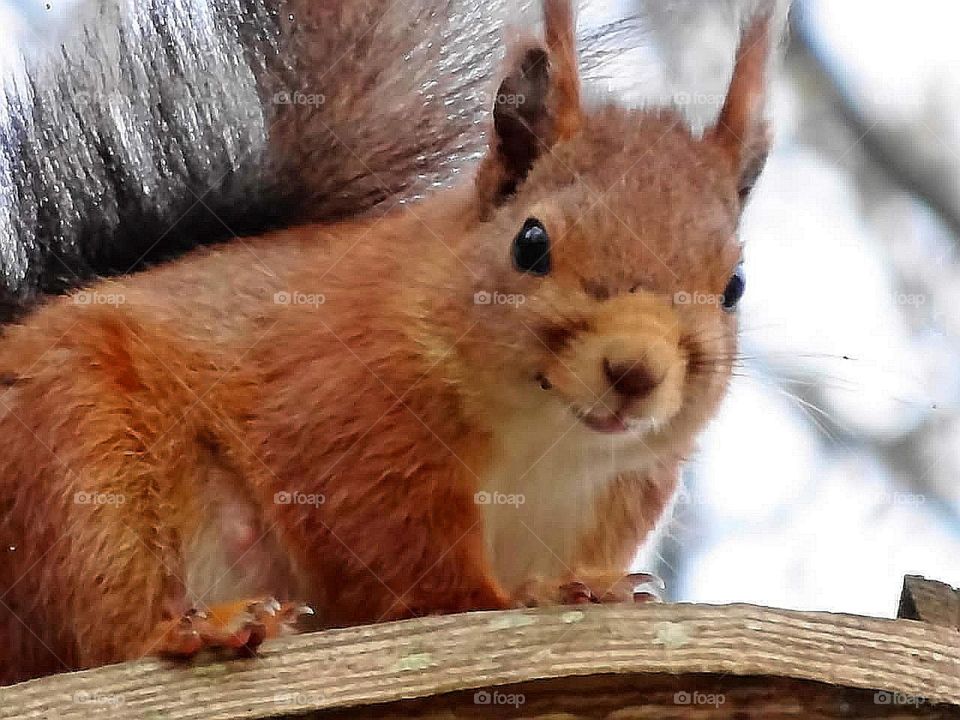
<point x="742" y="129"/>
<point x="537" y="105"/>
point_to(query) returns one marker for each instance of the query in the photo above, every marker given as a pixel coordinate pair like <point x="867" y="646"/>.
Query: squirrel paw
<point x="238" y="626"/>
<point x="606" y="589"/>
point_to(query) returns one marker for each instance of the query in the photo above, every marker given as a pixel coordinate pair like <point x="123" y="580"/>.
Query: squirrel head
<point x="604" y="253"/>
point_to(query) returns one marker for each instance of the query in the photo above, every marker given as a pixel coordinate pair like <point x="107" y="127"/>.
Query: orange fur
<point x="313" y="414"/>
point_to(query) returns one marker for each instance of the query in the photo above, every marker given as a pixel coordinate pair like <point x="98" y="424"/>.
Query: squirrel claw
<point x="240" y="627"/>
<point x="644" y="578"/>
<point x="638" y="588"/>
<point x="647" y="588"/>
<point x="576" y="593"/>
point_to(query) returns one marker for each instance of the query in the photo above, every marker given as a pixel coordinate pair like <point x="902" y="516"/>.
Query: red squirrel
<point x="476" y="402"/>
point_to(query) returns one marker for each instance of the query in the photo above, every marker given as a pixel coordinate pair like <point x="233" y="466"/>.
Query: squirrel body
<point x="382" y="417"/>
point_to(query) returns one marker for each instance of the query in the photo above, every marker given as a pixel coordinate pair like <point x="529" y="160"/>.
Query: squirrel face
<point x="607" y="266"/>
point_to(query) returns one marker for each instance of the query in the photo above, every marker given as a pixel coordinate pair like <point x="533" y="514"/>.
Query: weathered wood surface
<point x="659" y="697"/>
<point x="766" y="663"/>
<point x="930" y="601"/>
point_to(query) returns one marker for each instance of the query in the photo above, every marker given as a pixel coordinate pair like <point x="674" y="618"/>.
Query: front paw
<point x="587" y="588"/>
<point x="239" y="627"/>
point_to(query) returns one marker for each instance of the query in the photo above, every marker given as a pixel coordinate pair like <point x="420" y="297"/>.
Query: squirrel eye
<point x="735" y="288"/>
<point x="531" y="248"/>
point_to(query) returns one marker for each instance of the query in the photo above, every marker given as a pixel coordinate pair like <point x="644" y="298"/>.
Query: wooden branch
<point x="931" y="601"/>
<point x="599" y="661"/>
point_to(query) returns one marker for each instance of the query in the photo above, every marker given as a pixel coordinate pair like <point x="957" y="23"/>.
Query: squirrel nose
<point x="630" y="380"/>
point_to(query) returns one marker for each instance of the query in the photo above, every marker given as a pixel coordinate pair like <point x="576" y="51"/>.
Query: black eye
<point x="735" y="288"/>
<point x="531" y="248"/>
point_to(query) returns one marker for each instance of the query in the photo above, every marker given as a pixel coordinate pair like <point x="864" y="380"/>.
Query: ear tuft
<point x="560" y="30"/>
<point x="537" y="105"/>
<point x="741" y="128"/>
<point x="520" y="117"/>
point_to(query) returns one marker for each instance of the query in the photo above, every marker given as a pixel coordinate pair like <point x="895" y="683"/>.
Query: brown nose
<point x="631" y="381"/>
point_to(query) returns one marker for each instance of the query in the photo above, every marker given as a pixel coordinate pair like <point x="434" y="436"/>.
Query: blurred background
<point x="834" y="466"/>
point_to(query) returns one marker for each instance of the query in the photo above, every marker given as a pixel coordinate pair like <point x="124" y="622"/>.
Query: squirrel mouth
<point x="605" y="423"/>
<point x="602" y="422"/>
<point x="613" y="423"/>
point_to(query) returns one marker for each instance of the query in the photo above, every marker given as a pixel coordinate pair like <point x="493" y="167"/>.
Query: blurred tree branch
<point x="894" y="148"/>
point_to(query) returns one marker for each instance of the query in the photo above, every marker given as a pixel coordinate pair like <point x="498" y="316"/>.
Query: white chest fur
<point x="539" y="495"/>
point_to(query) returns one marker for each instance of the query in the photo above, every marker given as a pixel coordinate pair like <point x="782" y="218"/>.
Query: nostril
<point x="630" y="380"/>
